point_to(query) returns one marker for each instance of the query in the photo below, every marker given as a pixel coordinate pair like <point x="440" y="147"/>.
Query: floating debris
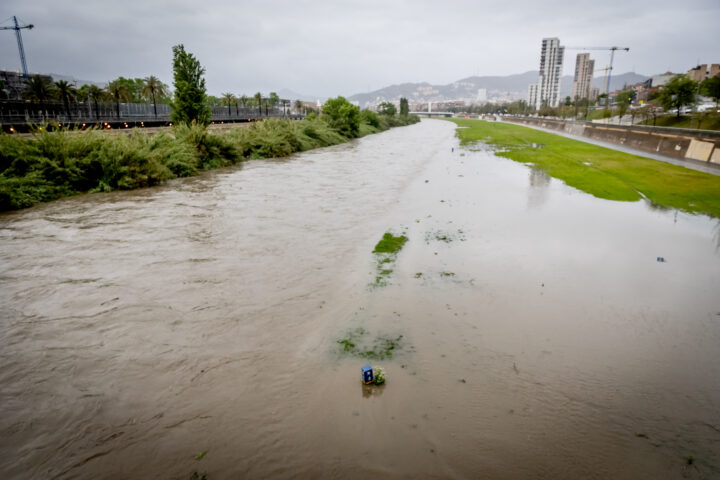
<point x="661" y="259"/>
<point x="372" y="376"/>
<point x="444" y="236"/>
<point x="367" y="374"/>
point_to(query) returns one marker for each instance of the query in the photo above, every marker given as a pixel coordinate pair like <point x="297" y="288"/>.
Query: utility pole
<point x="17" y="27"/>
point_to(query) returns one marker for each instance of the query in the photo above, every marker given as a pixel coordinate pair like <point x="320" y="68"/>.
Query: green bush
<point x="370" y="118"/>
<point x="213" y="151"/>
<point x="343" y="116"/>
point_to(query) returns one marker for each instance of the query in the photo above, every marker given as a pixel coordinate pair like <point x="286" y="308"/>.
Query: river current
<point x="192" y="329"/>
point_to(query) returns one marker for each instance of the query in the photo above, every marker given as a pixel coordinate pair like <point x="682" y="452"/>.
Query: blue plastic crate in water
<point x="367" y="374"/>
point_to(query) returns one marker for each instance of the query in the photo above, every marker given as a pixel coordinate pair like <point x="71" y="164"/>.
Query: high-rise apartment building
<point x="582" y="83"/>
<point x="532" y="95"/>
<point x="547" y="90"/>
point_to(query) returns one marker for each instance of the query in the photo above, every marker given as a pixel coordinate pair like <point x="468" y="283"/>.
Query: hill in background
<point x="497" y="88"/>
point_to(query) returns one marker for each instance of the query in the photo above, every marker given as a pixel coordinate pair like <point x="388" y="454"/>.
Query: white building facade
<point x="547" y="89"/>
<point x="582" y="82"/>
<point x="532" y="95"/>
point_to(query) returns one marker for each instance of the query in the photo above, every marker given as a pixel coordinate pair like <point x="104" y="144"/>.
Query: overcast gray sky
<point x="329" y="48"/>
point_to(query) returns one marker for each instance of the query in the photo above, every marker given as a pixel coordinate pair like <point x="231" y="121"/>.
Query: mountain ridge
<point x="497" y="88"/>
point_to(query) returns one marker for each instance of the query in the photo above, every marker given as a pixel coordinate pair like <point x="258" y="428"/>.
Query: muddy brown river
<point x="192" y="330"/>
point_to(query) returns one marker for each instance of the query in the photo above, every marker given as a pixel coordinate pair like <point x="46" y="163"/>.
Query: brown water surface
<point x="541" y="338"/>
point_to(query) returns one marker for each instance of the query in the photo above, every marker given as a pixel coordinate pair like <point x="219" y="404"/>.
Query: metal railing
<point x="18" y="112"/>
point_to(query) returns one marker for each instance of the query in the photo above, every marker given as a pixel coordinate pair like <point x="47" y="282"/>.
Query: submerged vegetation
<point x="359" y="343"/>
<point x="390" y="244"/>
<point x="386" y="252"/>
<point x="600" y="171"/>
<point x="443" y="236"/>
<point x="52" y="164"/>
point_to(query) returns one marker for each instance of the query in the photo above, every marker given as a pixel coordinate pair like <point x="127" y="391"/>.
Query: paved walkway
<point x="711" y="168"/>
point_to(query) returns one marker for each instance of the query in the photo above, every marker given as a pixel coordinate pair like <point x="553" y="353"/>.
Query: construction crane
<point x="17" y="27"/>
<point x="612" y="56"/>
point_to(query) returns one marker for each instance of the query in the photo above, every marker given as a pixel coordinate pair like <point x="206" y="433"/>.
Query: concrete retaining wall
<point x="701" y="145"/>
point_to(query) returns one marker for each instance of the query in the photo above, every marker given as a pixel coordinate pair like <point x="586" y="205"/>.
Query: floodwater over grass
<point x="600" y="171"/>
<point x="217" y="325"/>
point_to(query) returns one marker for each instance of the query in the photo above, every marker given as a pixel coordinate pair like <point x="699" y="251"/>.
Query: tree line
<point x="678" y="93"/>
<point x="60" y="162"/>
<point x="42" y="90"/>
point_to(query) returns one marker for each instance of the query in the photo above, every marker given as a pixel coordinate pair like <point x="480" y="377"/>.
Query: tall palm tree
<point x="273" y="99"/>
<point x="244" y="100"/>
<point x="39" y="89"/>
<point x="258" y="99"/>
<point x="95" y="94"/>
<point x="66" y="92"/>
<point x="152" y="88"/>
<point x="118" y="91"/>
<point x="298" y="106"/>
<point x="228" y="99"/>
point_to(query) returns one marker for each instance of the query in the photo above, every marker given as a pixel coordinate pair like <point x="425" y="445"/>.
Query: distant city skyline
<point x="342" y="47"/>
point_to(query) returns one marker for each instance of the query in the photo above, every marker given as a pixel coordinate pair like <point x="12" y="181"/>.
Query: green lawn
<point x="599" y="171"/>
<point x="701" y="121"/>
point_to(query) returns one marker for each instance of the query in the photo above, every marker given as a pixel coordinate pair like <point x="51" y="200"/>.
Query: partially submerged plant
<point x="357" y="342"/>
<point x="379" y="375"/>
<point x="386" y="252"/>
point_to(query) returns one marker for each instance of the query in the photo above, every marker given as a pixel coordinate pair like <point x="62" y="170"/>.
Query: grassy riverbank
<point x="704" y="121"/>
<point x="60" y="163"/>
<point x="599" y="171"/>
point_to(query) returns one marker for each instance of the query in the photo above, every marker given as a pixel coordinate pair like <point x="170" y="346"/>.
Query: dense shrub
<point x="369" y="117"/>
<point x="343" y="116"/>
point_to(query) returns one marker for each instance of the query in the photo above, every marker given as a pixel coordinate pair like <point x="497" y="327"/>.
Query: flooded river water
<point x="194" y="327"/>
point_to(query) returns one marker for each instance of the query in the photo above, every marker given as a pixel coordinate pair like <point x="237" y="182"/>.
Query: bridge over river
<point x="433" y="114"/>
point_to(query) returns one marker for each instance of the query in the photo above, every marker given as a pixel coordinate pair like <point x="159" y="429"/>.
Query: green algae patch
<point x="386" y="252"/>
<point x="390" y="244"/>
<point x="359" y="343"/>
<point x="599" y="171"/>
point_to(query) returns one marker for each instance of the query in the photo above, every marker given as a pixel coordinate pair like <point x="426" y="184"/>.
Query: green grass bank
<point x="52" y="164"/>
<point x="704" y="121"/>
<point x="599" y="171"/>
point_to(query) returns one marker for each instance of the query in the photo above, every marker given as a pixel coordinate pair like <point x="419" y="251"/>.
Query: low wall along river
<point x="195" y="327"/>
<point x="702" y="145"/>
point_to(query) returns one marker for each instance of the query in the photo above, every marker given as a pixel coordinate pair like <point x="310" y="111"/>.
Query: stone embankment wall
<point x="701" y="145"/>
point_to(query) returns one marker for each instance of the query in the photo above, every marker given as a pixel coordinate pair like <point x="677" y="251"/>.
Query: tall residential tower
<point x="547" y="89"/>
<point x="582" y="82"/>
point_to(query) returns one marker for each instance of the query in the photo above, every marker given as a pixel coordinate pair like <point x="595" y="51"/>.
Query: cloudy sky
<point x="329" y="48"/>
